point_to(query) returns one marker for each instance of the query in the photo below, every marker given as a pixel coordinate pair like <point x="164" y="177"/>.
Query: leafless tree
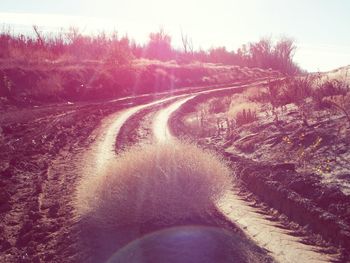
<point x="38" y="35"/>
<point x="187" y="43"/>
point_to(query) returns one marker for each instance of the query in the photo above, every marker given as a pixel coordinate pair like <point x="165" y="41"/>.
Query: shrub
<point x="103" y="66"/>
<point x="296" y="90"/>
<point x="273" y="92"/>
<point x="245" y="116"/>
<point x="49" y="88"/>
<point x="153" y="183"/>
<point x="339" y="103"/>
<point x="329" y="88"/>
<point x="281" y="92"/>
<point x="333" y="94"/>
<point x="277" y="56"/>
<point x="217" y="105"/>
<point x="159" y="46"/>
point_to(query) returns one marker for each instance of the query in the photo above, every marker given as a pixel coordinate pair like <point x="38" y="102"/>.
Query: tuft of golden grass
<point x="163" y="183"/>
<point x="240" y="103"/>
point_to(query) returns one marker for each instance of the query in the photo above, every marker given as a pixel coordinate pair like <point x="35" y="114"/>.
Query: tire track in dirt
<point x="103" y="149"/>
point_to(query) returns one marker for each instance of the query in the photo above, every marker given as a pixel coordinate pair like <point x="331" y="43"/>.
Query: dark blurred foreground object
<point x="188" y="244"/>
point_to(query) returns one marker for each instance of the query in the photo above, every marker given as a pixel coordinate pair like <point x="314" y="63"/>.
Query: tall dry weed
<point x="154" y="183"/>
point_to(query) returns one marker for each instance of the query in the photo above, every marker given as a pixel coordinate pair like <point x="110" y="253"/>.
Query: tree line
<point x="117" y="50"/>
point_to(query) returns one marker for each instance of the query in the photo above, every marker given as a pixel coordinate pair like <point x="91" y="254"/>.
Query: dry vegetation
<point x="288" y="142"/>
<point x="71" y="66"/>
<point x="147" y="188"/>
<point x="310" y="95"/>
<point x="302" y="120"/>
<point x="163" y="183"/>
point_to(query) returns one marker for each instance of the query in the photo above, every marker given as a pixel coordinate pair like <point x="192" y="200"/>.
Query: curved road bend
<point x="284" y="247"/>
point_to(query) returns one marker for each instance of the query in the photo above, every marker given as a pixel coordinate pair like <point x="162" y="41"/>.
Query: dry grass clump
<point x="240" y="103"/>
<point x="154" y="183"/>
<point x="245" y="117"/>
<point x="334" y="94"/>
<point x="224" y="114"/>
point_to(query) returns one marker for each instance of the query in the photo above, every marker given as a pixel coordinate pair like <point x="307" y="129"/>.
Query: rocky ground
<point x="38" y="152"/>
<point x="300" y="170"/>
<point x="32" y="193"/>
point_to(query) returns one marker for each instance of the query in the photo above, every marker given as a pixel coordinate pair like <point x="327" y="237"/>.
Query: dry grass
<point x="245" y="117"/>
<point x="239" y="103"/>
<point x="154" y="183"/>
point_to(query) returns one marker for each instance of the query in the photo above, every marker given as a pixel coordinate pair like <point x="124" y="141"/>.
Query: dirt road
<point x="281" y="243"/>
<point x="43" y="227"/>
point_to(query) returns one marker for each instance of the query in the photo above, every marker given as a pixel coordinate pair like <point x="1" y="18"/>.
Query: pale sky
<point x="320" y="28"/>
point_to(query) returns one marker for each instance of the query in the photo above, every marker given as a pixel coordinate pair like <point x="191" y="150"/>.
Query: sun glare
<point x="133" y="130"/>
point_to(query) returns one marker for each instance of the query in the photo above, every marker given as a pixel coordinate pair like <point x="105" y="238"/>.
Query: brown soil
<point x="37" y="179"/>
<point x="39" y="150"/>
<point x="285" y="166"/>
<point x="40" y="157"/>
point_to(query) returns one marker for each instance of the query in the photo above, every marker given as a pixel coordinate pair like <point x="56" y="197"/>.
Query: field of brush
<point x="288" y="141"/>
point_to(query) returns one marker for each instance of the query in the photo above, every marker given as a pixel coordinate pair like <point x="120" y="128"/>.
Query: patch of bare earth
<point x="38" y="156"/>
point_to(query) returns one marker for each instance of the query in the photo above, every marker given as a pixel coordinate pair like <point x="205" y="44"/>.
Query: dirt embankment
<point x="56" y="81"/>
<point x="299" y="171"/>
